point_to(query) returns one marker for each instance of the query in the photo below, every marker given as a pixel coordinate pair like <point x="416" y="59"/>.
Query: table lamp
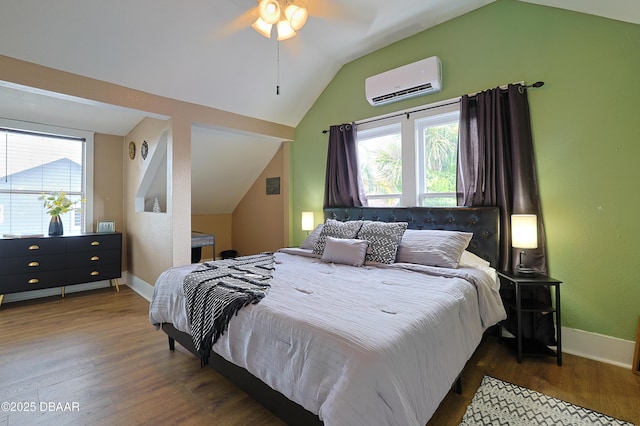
<point x="307" y="221"/>
<point x="524" y="235"/>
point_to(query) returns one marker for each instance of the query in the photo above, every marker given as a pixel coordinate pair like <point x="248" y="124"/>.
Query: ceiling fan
<point x="288" y="16"/>
<point x="283" y="18"/>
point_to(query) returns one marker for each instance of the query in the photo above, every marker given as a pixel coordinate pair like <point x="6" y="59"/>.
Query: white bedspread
<point x="357" y="346"/>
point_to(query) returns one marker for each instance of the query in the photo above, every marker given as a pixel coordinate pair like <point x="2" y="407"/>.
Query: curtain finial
<point x="535" y="85"/>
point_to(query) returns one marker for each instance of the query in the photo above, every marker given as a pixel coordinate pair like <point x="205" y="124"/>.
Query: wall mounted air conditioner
<point x="408" y="81"/>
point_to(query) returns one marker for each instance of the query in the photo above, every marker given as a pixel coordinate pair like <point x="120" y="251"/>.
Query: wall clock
<point x="144" y="150"/>
<point x="132" y="150"/>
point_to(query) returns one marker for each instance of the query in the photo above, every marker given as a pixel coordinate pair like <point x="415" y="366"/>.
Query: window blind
<point x="32" y="164"/>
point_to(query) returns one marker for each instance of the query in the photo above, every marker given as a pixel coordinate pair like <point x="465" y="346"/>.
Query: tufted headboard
<point x="483" y="222"/>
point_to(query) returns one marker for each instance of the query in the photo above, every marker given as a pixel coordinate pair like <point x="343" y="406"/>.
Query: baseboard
<point x="141" y="287"/>
<point x="607" y="349"/>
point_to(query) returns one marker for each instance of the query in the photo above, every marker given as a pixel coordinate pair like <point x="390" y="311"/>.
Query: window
<point x="380" y="162"/>
<point x="36" y="159"/>
<point x="437" y="155"/>
<point x="411" y="160"/>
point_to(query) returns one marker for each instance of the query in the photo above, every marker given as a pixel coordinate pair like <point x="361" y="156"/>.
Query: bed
<point x="333" y="343"/>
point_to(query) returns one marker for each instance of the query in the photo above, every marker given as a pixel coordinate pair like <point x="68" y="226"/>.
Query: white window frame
<point x="411" y="162"/>
<point x="87" y="178"/>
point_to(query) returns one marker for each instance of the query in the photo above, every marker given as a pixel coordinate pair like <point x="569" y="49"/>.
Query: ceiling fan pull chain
<point x="278" y="69"/>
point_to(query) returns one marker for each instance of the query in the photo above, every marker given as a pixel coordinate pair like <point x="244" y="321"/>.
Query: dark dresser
<point x="35" y="263"/>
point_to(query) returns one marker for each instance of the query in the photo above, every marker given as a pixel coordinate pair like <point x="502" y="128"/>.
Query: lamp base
<point x="524" y="270"/>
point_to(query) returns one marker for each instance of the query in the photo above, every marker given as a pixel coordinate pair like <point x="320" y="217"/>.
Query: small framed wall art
<point x="273" y="186"/>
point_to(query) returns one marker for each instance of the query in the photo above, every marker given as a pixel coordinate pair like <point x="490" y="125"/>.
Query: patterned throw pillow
<point x="336" y="229"/>
<point x="383" y="239"/>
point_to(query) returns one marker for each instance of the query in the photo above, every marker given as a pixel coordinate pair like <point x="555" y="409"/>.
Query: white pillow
<point x="310" y="242"/>
<point x="472" y="260"/>
<point x="345" y="250"/>
<point x="433" y="247"/>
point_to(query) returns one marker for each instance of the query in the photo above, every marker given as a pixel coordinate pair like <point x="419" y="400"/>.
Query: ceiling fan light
<point x="269" y="11"/>
<point x="296" y="14"/>
<point x="262" y="27"/>
<point x="284" y="30"/>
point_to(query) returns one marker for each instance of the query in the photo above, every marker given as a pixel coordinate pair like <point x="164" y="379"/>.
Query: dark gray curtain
<point x="496" y="167"/>
<point x="343" y="184"/>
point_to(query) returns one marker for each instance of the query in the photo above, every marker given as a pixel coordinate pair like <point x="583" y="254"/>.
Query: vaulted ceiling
<point x="205" y="52"/>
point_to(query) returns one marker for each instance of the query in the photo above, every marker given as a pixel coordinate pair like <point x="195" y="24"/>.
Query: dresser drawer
<point x="33" y="281"/>
<point x="97" y="273"/>
<point x="94" y="242"/>
<point x="93" y="257"/>
<point x="30" y="246"/>
<point x="31" y="264"/>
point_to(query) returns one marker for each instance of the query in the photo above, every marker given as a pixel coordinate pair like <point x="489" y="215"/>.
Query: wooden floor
<point x="96" y="355"/>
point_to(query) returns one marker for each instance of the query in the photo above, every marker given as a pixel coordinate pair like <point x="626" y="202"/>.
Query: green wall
<point x="586" y="133"/>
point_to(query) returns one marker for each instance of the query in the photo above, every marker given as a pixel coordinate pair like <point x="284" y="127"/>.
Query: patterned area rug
<point x="501" y="403"/>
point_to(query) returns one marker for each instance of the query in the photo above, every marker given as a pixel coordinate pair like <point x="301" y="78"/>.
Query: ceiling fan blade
<point x="238" y="24"/>
<point x="358" y="12"/>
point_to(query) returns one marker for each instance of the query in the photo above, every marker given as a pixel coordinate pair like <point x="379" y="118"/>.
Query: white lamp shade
<point x="296" y="14"/>
<point x="524" y="231"/>
<point x="269" y="11"/>
<point x="262" y="27"/>
<point x="307" y="221"/>
<point x="285" y="31"/>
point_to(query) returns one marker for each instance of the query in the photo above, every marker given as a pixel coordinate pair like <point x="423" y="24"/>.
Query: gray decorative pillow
<point x="336" y="229"/>
<point x="345" y="250"/>
<point x="383" y="239"/>
<point x="310" y="242"/>
<point x="433" y="248"/>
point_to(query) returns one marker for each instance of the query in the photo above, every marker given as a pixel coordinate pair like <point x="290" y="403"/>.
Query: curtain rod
<point x="445" y="103"/>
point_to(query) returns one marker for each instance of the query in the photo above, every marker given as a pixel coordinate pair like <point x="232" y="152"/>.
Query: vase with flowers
<point x="56" y="204"/>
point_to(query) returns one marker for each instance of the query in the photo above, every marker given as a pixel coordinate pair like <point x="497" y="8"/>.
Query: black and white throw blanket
<point x="216" y="291"/>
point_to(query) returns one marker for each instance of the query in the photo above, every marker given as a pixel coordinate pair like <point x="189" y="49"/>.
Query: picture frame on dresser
<point x="106" y="226"/>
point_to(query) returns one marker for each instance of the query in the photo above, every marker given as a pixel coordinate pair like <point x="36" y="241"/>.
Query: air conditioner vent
<point x="408" y="81"/>
<point x="403" y="94"/>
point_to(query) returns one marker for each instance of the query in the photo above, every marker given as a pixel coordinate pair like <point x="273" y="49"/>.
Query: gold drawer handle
<point x="94" y="273"/>
<point x="34" y="247"/>
<point x="95" y="243"/>
<point x="33" y="281"/>
<point x="33" y="264"/>
<point x="95" y="258"/>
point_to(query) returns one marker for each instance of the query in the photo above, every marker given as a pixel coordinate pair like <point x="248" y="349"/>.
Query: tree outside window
<point x="438" y="164"/>
<point x="380" y="162"/>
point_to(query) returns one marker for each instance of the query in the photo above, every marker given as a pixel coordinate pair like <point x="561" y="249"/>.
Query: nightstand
<point x="520" y="304"/>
